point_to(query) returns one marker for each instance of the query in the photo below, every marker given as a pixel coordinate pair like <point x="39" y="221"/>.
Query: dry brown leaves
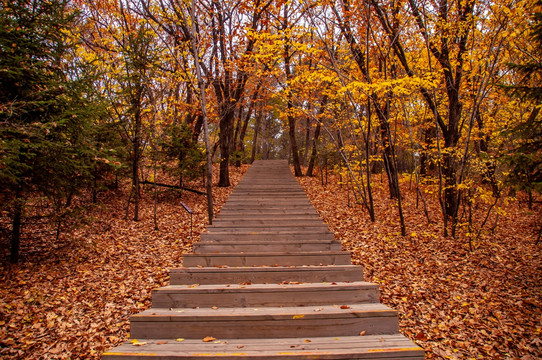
<point x="73" y="300"/>
<point x="456" y="304"/>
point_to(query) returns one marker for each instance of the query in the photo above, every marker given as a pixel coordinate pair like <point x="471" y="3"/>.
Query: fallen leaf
<point x="208" y="339"/>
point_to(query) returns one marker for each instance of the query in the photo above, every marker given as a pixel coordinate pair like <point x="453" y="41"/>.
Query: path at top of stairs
<point x="267" y="281"/>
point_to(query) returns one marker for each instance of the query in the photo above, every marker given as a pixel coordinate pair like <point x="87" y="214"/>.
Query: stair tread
<point x="290" y="286"/>
<point x="227" y="274"/>
<point x="363" y="347"/>
<point x="276" y="313"/>
<point x="256" y="241"/>
<point x="263" y="253"/>
<point x="266" y="268"/>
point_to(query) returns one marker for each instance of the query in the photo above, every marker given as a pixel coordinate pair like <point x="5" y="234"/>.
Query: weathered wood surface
<point x="268" y="281"/>
<point x="382" y="347"/>
<point x="265" y="274"/>
<point x="258" y="295"/>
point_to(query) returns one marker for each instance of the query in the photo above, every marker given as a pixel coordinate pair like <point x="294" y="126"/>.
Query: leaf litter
<point x="456" y="304"/>
<point x="73" y="300"/>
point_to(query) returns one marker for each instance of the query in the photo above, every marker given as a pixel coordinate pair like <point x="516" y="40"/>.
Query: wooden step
<point x="265" y="274"/>
<point x="249" y="215"/>
<point x="258" y="295"/>
<point x="268" y="235"/>
<point x="266" y="258"/>
<point x="268" y="228"/>
<point x="269" y="222"/>
<point x="268" y="322"/>
<point x="266" y="246"/>
<point x="367" y="347"/>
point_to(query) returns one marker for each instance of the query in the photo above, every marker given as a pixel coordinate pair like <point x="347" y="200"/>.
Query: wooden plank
<point x="278" y="259"/>
<point x="268" y="235"/>
<point x="307" y="321"/>
<point x="258" y="295"/>
<point x="268" y="228"/>
<point x="229" y="275"/>
<point x="269" y="221"/>
<point x="380" y="347"/>
<point x="276" y="246"/>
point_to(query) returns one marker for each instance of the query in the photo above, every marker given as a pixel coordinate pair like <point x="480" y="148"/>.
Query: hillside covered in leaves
<point x="71" y="299"/>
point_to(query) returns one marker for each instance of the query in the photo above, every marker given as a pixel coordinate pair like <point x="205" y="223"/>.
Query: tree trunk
<point x="307" y="140"/>
<point x="16" y="227"/>
<point x="203" y="104"/>
<point x="290" y="105"/>
<point x="225" y="139"/>
<point x="389" y="161"/>
<point x="136" y="159"/>
<point x="314" y="150"/>
<point x="293" y="145"/>
<point x="255" y="139"/>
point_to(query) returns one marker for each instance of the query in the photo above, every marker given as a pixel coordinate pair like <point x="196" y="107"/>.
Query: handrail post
<point x="188" y="210"/>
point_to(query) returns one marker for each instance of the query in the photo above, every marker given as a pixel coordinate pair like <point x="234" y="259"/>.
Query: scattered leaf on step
<point x="161" y="342"/>
<point x="240" y="346"/>
<point x="307" y="341"/>
<point x="363" y="333"/>
<point x="179" y="339"/>
<point x="208" y="339"/>
<point x="214" y="307"/>
<point x="345" y="307"/>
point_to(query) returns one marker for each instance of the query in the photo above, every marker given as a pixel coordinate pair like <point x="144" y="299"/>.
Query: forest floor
<point x="71" y="298"/>
<point x="454" y="302"/>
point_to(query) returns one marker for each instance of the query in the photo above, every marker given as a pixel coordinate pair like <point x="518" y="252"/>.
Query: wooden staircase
<point x="267" y="281"/>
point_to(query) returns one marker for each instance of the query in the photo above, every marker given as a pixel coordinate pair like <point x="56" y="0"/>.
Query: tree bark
<point x="16" y="227"/>
<point x="255" y="138"/>
<point x="225" y="140"/>
<point x="203" y="103"/>
<point x="314" y="150"/>
<point x="290" y="105"/>
<point x="136" y="151"/>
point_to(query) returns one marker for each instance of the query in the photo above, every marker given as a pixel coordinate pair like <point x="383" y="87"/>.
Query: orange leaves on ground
<point x="456" y="304"/>
<point x="73" y="299"/>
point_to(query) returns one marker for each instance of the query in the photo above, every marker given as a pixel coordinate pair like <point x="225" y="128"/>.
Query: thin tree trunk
<point x="255" y="139"/>
<point x="289" y="105"/>
<point x="307" y="140"/>
<point x="16" y="227"/>
<point x="312" y="160"/>
<point x="203" y="102"/>
<point x="225" y="135"/>
<point x="314" y="150"/>
<point x="135" y="179"/>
